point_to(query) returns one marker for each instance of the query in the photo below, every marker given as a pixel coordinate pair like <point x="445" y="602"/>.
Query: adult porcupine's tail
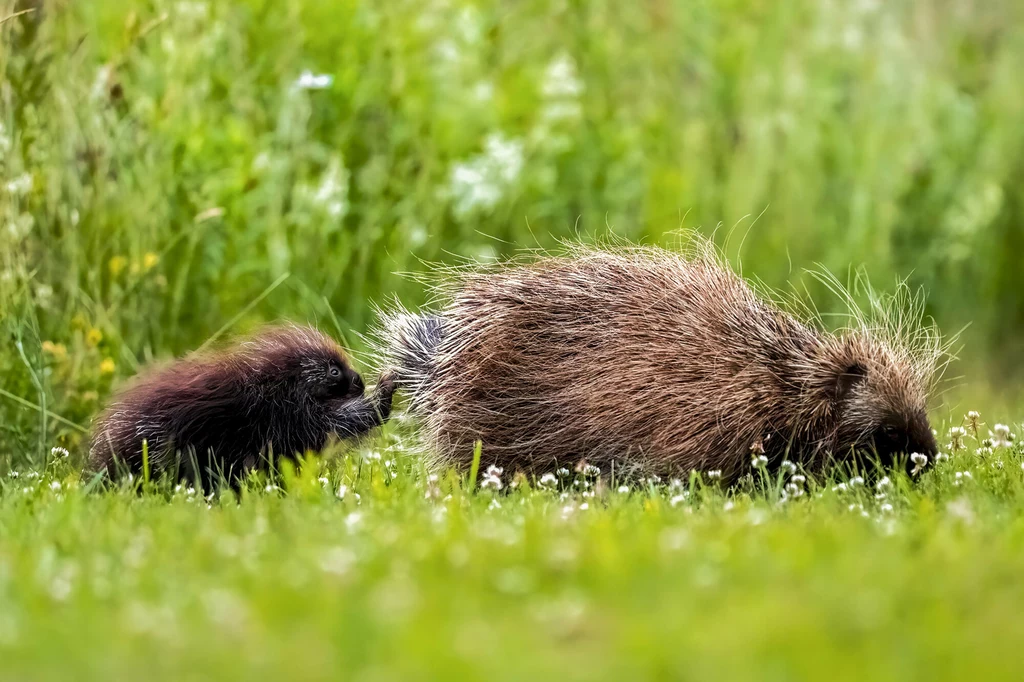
<point x="409" y="346"/>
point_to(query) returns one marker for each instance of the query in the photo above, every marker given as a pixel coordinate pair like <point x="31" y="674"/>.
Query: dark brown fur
<point x="217" y="416"/>
<point x="653" y="360"/>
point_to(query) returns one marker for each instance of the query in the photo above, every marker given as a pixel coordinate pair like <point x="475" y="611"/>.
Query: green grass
<point x="165" y="180"/>
<point x="406" y="577"/>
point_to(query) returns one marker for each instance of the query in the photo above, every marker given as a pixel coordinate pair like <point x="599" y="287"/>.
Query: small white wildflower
<point x="13" y="474"/>
<point x="59" y="452"/>
<point x="495" y="471"/>
<point x="623" y="489"/>
<point x="270" y="488"/>
<point x="373" y="456"/>
<point x="20" y="185"/>
<point x="856" y="481"/>
<point x="880" y="496"/>
<point x="563" y="472"/>
<point x="560" y="78"/>
<point x="798" y="478"/>
<point x="956" y="437"/>
<point x="584" y="506"/>
<point x="675" y="485"/>
<point x="839" y="488"/>
<point x="654" y="479"/>
<point x="961" y="476"/>
<point x="920" y="462"/>
<point x="788" y="467"/>
<point x="491" y="483"/>
<point x="883" y="484"/>
<point x="886" y="508"/>
<point x="983" y="451"/>
<point x="342" y="491"/>
<point x="793" y="490"/>
<point x="432" y="478"/>
<point x="494" y="504"/>
<point x="548" y="480"/>
<point x="728" y="506"/>
<point x="55" y="485"/>
<point x="591" y="471"/>
<point x="941" y="456"/>
<point x="324" y="481"/>
<point x="308" y="80"/>
<point x="35" y="474"/>
<point x="677" y="500"/>
<point x="1001" y="436"/>
<point x="758" y="461"/>
<point x="715" y="474"/>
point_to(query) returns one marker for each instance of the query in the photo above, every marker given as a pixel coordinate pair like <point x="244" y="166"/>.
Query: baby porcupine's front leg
<point x="356" y="416"/>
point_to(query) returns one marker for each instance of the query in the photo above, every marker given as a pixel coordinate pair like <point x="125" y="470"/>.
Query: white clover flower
<point x="961" y="476"/>
<point x="432" y="478"/>
<point x="886" y="508"/>
<point x="677" y="500"/>
<point x="793" y="490"/>
<point x="798" y="478"/>
<point x="494" y="504"/>
<point x="883" y="484"/>
<point x="353" y="520"/>
<point x="623" y="489"/>
<point x="324" y="481"/>
<point x="788" y="467"/>
<point x="1001" y="436"/>
<point x="491" y="483"/>
<point x="758" y="461"/>
<point x="560" y="79"/>
<point x="271" y="488"/>
<point x="920" y="462"/>
<point x="941" y="456"/>
<point x="715" y="474"/>
<point x="591" y="471"/>
<point x="956" y="437"/>
<point x="55" y="485"/>
<point x="728" y="506"/>
<point x="839" y="488"/>
<point x="495" y="471"/>
<point x="548" y="480"/>
<point x="13" y="474"/>
<point x="585" y="506"/>
<point x="563" y="472"/>
<point x="342" y="491"/>
<point x="308" y="80"/>
<point x="59" y="452"/>
<point x="675" y="485"/>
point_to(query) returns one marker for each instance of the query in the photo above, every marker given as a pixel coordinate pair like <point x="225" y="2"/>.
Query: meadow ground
<point x="367" y="567"/>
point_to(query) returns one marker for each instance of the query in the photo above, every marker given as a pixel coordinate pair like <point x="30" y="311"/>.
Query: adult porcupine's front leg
<point x="359" y="415"/>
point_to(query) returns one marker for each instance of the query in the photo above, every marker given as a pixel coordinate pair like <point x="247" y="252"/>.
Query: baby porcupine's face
<point x="328" y="377"/>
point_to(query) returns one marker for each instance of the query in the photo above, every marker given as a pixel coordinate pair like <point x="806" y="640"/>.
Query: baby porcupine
<point x="208" y="417"/>
<point x="657" y="361"/>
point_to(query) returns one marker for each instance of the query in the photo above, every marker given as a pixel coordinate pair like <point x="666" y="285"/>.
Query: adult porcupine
<point x="652" y="359"/>
<point x="284" y="391"/>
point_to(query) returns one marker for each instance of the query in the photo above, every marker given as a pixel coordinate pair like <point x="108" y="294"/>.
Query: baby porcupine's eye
<point x="334" y="371"/>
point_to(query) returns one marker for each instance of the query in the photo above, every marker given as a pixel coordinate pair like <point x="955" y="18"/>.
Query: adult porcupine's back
<point x="656" y="359"/>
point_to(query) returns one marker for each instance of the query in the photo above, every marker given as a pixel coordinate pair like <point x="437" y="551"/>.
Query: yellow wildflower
<point x="150" y="260"/>
<point x="94" y="336"/>
<point x="117" y="264"/>
<point x="57" y="350"/>
<point x="107" y="366"/>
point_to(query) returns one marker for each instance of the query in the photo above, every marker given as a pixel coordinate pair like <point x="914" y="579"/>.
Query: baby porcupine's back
<point x="641" y="356"/>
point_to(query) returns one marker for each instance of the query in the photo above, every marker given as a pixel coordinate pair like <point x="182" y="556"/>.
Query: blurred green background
<point x="163" y="165"/>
